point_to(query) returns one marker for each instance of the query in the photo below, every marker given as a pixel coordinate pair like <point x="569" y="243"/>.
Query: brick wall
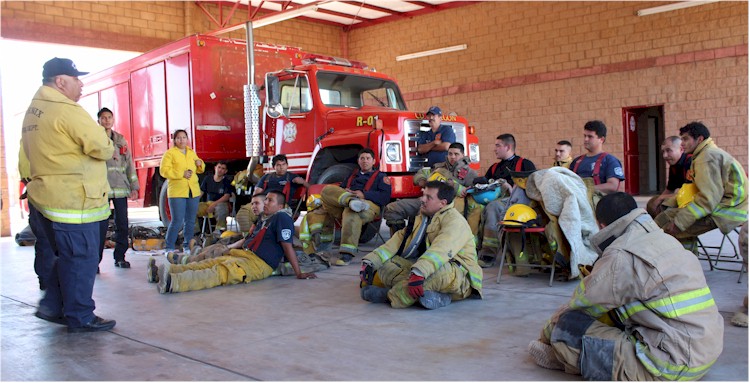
<point x="541" y="70"/>
<point x="123" y="25"/>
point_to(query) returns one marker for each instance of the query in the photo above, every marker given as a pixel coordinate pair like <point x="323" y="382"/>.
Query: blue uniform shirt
<point x="444" y="133"/>
<point x="609" y="168"/>
<point x="215" y="190"/>
<point x="280" y="229"/>
<point x="272" y="182"/>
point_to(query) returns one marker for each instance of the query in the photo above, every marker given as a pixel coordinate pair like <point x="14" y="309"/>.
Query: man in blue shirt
<point x="434" y="143"/>
<point x="250" y="259"/>
<point x="604" y="168"/>
<point x="281" y="180"/>
<point x="218" y="190"/>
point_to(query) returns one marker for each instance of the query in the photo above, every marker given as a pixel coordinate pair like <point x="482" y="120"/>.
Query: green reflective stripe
<point x="739" y="191"/>
<point x="383" y="254"/>
<point x="697" y="211"/>
<point x="116" y="169"/>
<point x="731" y="213"/>
<point x="134" y="178"/>
<point x="76" y="216"/>
<point x="671" y="306"/>
<point x="476" y="280"/>
<point x="315" y="226"/>
<point x="434" y="258"/>
<point x="667" y="370"/>
<point x="579" y="301"/>
<point x="304" y="236"/>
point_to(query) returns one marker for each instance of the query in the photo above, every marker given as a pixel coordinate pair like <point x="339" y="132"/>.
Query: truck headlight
<point x="474" y="152"/>
<point x="393" y="152"/>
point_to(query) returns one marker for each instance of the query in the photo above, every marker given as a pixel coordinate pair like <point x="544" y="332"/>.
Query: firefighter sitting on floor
<point x="250" y="259"/>
<point x="432" y="261"/>
<point x="457" y="173"/>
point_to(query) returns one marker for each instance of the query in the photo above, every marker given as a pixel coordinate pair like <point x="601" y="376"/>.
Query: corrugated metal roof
<point x="346" y="14"/>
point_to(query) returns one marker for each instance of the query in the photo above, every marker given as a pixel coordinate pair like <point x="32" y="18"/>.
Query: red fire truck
<point x="323" y="111"/>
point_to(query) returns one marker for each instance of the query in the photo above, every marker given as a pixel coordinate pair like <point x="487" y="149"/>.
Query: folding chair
<point x="505" y="241"/>
<point x="714" y="258"/>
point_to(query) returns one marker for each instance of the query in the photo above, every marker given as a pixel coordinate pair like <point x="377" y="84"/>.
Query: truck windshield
<point x="339" y="89"/>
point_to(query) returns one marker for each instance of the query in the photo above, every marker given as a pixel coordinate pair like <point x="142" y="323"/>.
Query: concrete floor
<point x="287" y="329"/>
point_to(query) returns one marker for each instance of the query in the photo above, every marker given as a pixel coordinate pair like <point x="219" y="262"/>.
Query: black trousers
<point x="121" y="229"/>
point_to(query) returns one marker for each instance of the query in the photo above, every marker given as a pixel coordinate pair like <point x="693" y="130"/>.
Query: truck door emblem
<point x="290" y="132"/>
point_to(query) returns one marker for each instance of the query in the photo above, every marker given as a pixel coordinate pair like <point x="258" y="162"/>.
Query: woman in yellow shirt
<point x="181" y="166"/>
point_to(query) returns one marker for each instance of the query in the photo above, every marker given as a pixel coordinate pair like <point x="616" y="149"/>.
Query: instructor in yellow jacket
<point x="67" y="151"/>
<point x="181" y="166"/>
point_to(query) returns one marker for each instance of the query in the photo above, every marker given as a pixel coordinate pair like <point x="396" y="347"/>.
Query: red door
<point x="630" y="142"/>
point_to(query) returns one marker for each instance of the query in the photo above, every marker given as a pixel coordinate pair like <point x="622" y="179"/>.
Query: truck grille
<point x="412" y="129"/>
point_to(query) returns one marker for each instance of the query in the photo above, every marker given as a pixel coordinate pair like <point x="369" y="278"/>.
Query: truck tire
<point x="336" y="173"/>
<point x="164" y="214"/>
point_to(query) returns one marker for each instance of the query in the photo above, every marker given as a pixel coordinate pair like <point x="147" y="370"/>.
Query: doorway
<point x="643" y="133"/>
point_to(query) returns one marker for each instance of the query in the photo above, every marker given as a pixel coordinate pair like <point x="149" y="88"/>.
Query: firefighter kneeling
<point x="433" y="260"/>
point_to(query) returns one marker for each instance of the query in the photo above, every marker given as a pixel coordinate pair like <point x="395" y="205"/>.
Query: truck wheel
<point x="164" y="213"/>
<point x="336" y="174"/>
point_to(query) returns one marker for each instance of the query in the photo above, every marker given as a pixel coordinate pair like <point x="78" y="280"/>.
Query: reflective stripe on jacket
<point x="172" y="167"/>
<point x="67" y="151"/>
<point x="449" y="239"/>
<point x="722" y="189"/>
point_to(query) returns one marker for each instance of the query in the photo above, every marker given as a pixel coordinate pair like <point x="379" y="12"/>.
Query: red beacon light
<point x="312" y="58"/>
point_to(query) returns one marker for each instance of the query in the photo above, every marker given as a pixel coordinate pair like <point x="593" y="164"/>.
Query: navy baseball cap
<point x="434" y="110"/>
<point x="58" y="66"/>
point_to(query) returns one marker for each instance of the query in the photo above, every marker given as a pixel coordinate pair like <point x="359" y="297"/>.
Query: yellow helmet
<point x="686" y="194"/>
<point x="436" y="176"/>
<point x="313" y="202"/>
<point x="228" y="233"/>
<point x="520" y="215"/>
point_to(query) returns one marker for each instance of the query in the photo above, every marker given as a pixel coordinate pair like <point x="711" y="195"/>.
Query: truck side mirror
<point x="274" y="109"/>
